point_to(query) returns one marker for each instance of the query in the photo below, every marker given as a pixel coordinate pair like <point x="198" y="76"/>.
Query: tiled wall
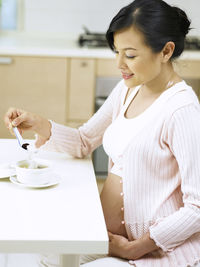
<point x="68" y="16"/>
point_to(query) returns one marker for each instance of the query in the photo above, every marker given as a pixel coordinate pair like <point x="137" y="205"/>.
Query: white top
<point x="161" y="182"/>
<point x="118" y="135"/>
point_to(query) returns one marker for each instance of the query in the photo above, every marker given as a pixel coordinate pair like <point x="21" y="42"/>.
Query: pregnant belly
<point x="112" y="204"/>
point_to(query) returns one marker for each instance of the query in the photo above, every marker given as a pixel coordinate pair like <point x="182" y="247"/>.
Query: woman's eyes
<point x="127" y="56"/>
<point x="130" y="56"/>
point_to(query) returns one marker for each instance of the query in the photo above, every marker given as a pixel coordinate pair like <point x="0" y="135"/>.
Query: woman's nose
<point x="120" y="62"/>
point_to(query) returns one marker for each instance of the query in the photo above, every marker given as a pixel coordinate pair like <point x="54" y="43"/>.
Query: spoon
<point x="21" y="141"/>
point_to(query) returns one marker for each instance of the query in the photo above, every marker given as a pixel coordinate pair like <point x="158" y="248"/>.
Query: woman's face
<point x="137" y="62"/>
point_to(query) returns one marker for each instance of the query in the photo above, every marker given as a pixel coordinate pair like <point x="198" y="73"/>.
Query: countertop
<point x="38" y="45"/>
<point x="32" y="45"/>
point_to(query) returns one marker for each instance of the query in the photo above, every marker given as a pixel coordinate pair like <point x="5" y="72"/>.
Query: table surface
<point x="65" y="219"/>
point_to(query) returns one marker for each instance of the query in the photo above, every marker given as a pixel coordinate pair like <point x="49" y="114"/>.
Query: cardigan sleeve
<point x="183" y="139"/>
<point x="82" y="141"/>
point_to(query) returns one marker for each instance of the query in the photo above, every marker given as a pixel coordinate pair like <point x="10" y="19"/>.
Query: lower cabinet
<point x="36" y="84"/>
<point x="81" y="90"/>
<point x="189" y="70"/>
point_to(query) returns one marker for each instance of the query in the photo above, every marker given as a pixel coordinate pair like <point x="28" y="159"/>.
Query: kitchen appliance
<point x="192" y="43"/>
<point x="95" y="39"/>
<point x="92" y="39"/>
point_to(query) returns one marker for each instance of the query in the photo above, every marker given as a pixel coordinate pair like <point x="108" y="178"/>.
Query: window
<point x="8" y="15"/>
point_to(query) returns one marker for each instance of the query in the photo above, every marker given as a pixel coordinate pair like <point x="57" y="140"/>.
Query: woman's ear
<point x="167" y="51"/>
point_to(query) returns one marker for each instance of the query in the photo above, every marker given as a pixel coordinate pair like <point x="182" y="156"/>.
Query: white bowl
<point x="38" y="176"/>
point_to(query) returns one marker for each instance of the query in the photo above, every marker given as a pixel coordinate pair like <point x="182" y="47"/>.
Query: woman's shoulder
<point x="183" y="106"/>
<point x="183" y="96"/>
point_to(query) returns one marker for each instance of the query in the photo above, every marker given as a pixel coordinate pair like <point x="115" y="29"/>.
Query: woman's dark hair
<point x="158" y="21"/>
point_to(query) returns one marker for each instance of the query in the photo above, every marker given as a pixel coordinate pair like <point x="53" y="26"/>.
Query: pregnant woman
<point x="150" y="128"/>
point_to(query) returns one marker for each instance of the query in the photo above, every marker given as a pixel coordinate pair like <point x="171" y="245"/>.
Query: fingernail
<point x="14" y="123"/>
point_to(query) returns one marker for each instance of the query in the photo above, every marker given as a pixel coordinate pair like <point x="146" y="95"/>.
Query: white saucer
<point x="6" y="170"/>
<point x="53" y="181"/>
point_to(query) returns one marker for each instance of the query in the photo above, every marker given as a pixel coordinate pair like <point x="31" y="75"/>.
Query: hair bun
<point x="184" y="21"/>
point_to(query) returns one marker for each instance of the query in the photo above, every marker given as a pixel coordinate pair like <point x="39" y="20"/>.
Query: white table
<point x="66" y="219"/>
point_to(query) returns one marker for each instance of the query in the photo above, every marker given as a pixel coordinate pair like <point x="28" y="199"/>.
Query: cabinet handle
<point x="84" y="64"/>
<point x="5" y="60"/>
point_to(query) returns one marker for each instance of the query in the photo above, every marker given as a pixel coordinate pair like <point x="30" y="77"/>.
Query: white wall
<point x="68" y="16"/>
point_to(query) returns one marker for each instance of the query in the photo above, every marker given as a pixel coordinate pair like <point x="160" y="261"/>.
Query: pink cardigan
<point x="161" y="173"/>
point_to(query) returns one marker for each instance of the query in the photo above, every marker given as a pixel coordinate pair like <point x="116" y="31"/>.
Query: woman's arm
<point x="182" y="137"/>
<point x="82" y="141"/>
<point x="56" y="137"/>
<point x="119" y="246"/>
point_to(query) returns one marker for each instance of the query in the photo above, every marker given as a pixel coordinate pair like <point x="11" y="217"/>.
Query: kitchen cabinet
<point x="81" y="90"/>
<point x="36" y="84"/>
<point x="107" y="67"/>
<point x="82" y="84"/>
<point x="189" y="70"/>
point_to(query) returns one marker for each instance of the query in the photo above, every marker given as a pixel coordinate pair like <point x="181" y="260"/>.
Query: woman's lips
<point x="127" y="76"/>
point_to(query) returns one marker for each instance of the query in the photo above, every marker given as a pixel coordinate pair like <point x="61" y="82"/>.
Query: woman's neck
<point x="165" y="79"/>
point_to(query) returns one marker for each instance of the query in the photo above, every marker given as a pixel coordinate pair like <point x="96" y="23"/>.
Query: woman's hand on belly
<point x="121" y="247"/>
<point x="118" y="246"/>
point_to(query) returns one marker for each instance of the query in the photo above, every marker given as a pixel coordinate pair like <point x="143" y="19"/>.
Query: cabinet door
<point x="107" y="67"/>
<point x="189" y="69"/>
<point x="80" y="105"/>
<point x="36" y="84"/>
